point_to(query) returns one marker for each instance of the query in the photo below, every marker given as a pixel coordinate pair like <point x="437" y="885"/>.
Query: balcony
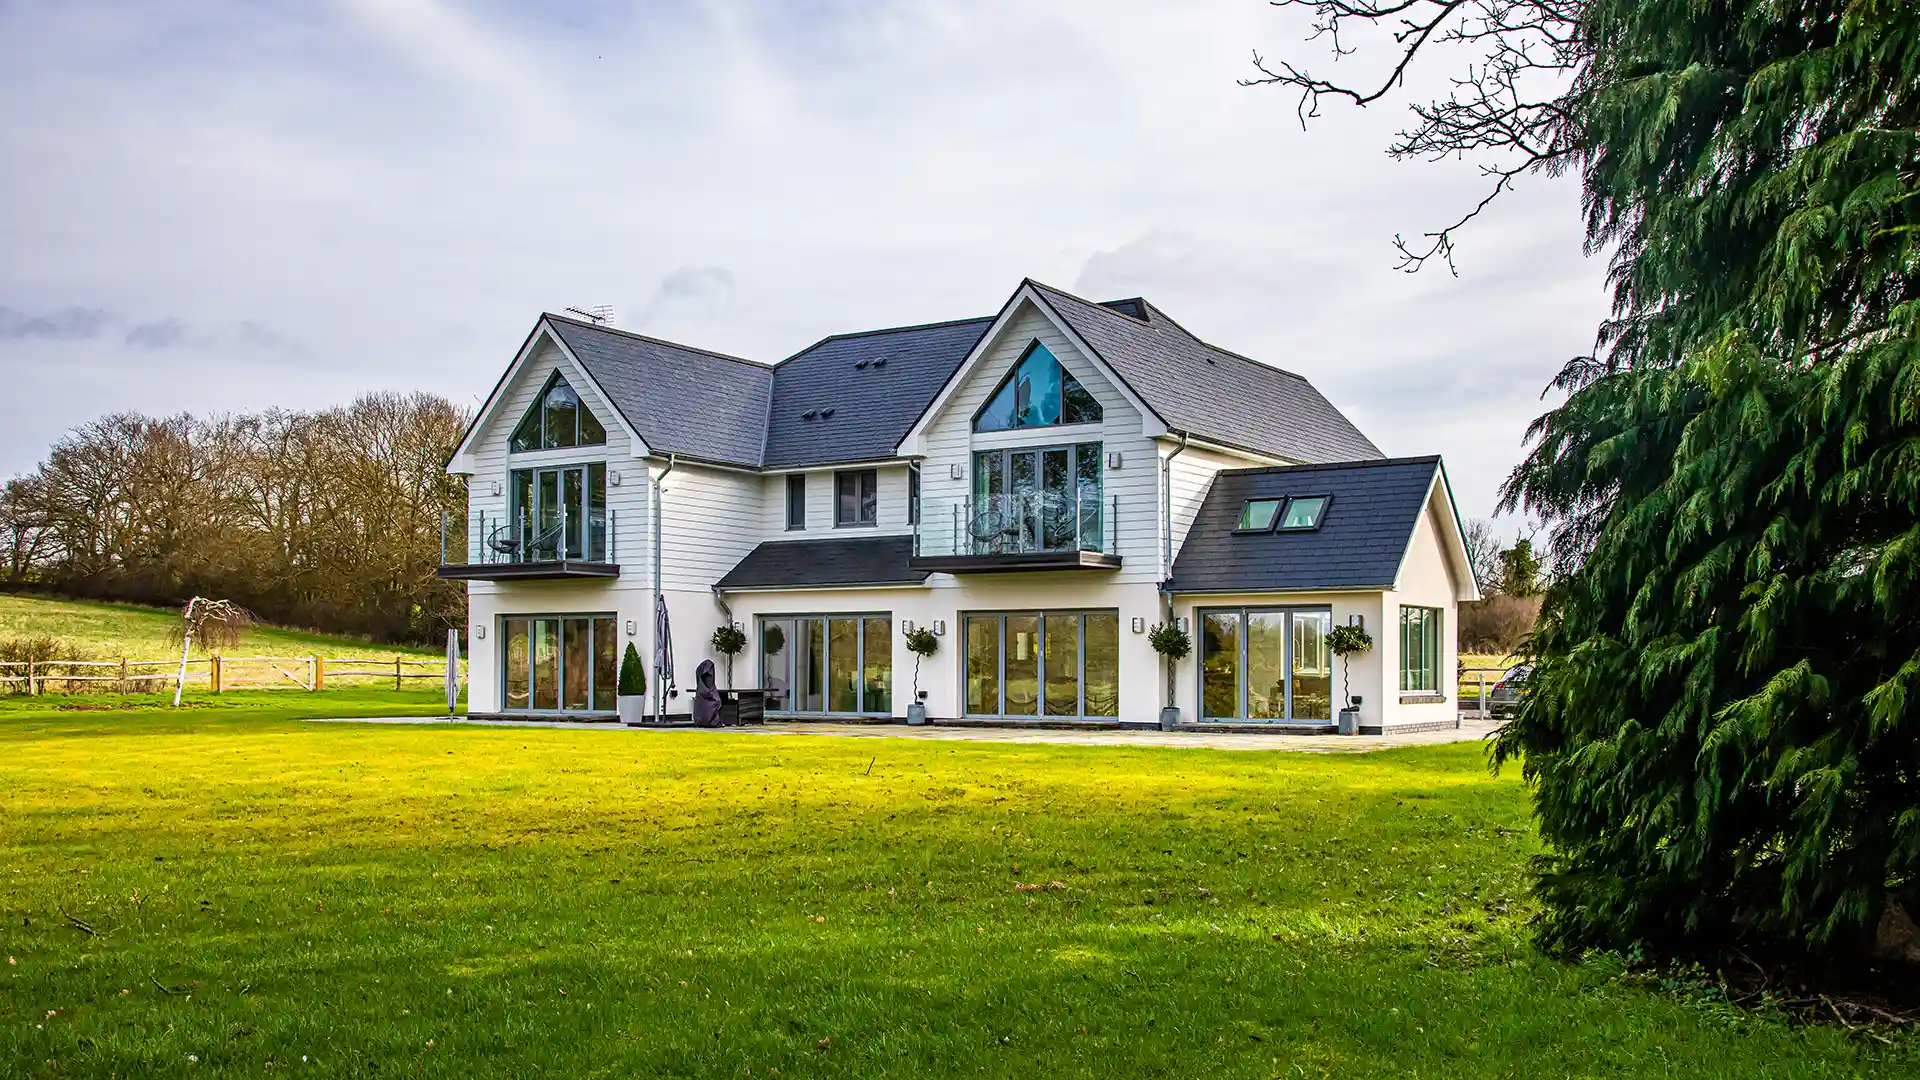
<point x="504" y="547"/>
<point x="1017" y="531"/>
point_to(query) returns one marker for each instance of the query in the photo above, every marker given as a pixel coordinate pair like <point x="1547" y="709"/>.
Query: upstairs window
<point x="558" y="418"/>
<point x="857" y="498"/>
<point x="796" y="501"/>
<point x="1039" y="392"/>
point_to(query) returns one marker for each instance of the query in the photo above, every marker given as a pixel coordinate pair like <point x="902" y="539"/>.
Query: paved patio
<point x="1203" y="740"/>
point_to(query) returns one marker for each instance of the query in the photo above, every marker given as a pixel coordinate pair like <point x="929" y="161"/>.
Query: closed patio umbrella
<point x="453" y="669"/>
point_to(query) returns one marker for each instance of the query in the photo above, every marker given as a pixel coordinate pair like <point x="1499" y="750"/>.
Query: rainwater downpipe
<point x="659" y="597"/>
<point x="1166" y="548"/>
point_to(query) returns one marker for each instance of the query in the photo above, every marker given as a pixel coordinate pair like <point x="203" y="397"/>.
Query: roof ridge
<point x="888" y="330"/>
<point x="657" y="341"/>
<point x="1328" y="466"/>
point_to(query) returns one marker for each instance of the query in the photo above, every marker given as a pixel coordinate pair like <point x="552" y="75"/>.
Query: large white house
<point x="1039" y="487"/>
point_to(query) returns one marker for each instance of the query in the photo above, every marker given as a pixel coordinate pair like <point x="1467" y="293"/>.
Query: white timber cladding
<point x="772" y="518"/>
<point x="709" y="520"/>
<point x="1191" y="473"/>
<point x="1134" y="488"/>
<point x="493" y="463"/>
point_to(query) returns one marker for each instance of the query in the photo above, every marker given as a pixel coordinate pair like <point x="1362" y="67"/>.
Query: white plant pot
<point x="633" y="708"/>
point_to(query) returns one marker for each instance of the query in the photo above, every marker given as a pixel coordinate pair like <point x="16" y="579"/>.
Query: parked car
<point x="1506" y="694"/>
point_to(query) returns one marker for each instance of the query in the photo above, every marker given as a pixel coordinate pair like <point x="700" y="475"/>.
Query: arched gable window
<point x="558" y="418"/>
<point x="1038" y="393"/>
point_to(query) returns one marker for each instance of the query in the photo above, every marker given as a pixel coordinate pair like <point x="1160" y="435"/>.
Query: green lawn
<point x="270" y="898"/>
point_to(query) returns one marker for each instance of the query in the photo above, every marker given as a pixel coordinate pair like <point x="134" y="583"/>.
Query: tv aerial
<point x="598" y="315"/>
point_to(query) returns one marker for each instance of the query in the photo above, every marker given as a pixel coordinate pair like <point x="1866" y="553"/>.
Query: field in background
<point x="264" y="898"/>
<point x="145" y="632"/>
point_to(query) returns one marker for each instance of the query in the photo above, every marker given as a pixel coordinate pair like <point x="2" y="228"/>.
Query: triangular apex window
<point x="558" y="418"/>
<point x="1039" y="393"/>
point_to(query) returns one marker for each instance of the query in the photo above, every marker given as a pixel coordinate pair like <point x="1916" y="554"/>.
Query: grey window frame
<point x="593" y="620"/>
<point x="1433" y="645"/>
<point x="796" y="502"/>
<point x="860" y="619"/>
<point x="859" y="477"/>
<point x="538" y="411"/>
<point x="1040" y="662"/>
<point x="1240" y="664"/>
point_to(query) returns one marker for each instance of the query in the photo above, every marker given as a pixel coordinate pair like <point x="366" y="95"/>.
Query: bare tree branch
<point x="1514" y="101"/>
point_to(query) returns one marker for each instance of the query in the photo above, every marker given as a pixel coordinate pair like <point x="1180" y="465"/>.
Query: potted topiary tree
<point x="1347" y="642"/>
<point x="922" y="643"/>
<point x="632" y="698"/>
<point x="729" y="641"/>
<point x="1175" y="645"/>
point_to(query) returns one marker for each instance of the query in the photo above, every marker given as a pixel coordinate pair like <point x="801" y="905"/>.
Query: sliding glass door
<point x="828" y="664"/>
<point x="1266" y="664"/>
<point x="1043" y="663"/>
<point x="1040" y="499"/>
<point x="559" y="663"/>
<point x="561" y="513"/>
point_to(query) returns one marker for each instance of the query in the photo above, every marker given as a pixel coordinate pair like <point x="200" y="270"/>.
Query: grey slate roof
<point x="1209" y="392"/>
<point x="877" y="384"/>
<point x="681" y="400"/>
<point x="851" y="560"/>
<point x="1359" y="544"/>
<point x="866" y="390"/>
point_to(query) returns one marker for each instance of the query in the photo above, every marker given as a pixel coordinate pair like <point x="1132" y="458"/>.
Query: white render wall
<point x="1427" y="579"/>
<point x="947" y="599"/>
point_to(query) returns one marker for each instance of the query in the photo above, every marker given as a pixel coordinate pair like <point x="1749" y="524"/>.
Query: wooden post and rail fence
<point x="213" y="673"/>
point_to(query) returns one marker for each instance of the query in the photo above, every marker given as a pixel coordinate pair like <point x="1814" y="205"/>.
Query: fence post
<point x="396" y="673"/>
<point x="313" y="673"/>
<point x="319" y="672"/>
<point x="33" y="686"/>
<point x="123" y="688"/>
<point x="213" y="673"/>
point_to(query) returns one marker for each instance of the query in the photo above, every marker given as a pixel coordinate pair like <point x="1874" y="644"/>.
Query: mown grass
<point x="146" y="633"/>
<point x="269" y="898"/>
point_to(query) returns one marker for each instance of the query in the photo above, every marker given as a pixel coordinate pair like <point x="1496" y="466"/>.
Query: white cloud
<point x="388" y="191"/>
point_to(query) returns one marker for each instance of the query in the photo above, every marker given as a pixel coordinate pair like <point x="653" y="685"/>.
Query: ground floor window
<point x="559" y="663"/>
<point x="828" y="663"/>
<point x="1266" y="664"/>
<point x="1043" y="663"/>
<point x="1419" y="650"/>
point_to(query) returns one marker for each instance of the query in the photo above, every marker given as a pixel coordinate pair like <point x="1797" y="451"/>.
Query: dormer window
<point x="1038" y="393"/>
<point x="1300" y="513"/>
<point x="558" y="418"/>
<point x="1303" y="513"/>
<point x="1258" y="515"/>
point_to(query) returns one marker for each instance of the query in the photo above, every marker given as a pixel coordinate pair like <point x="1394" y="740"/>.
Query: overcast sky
<point x="212" y="205"/>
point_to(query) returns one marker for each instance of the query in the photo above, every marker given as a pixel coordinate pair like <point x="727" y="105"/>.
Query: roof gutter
<point x="659" y="595"/>
<point x="1166" y="549"/>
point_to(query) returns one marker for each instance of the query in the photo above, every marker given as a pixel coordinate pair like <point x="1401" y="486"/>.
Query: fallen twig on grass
<point x="159" y="985"/>
<point x="77" y="924"/>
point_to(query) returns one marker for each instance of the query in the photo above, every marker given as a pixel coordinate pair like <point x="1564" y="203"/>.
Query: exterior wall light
<point x="632" y="627"/>
<point x="1113" y="459"/>
<point x="613" y="479"/>
<point x="939" y="628"/>
<point x="954" y="472"/>
<point x="906" y="626"/>
<point x="496" y="487"/>
<point x="479" y="632"/>
<point x="1139" y="625"/>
